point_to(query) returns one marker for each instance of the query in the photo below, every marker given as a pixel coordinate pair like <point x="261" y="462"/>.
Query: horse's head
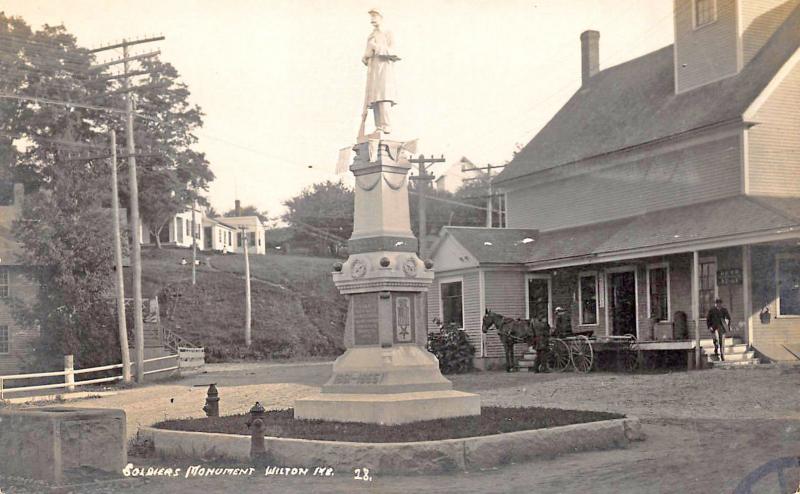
<point x="489" y="320"/>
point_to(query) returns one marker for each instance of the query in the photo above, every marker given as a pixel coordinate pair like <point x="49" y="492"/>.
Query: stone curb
<point x="424" y="457"/>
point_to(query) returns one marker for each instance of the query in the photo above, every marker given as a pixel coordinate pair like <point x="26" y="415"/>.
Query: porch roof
<point x="682" y="226"/>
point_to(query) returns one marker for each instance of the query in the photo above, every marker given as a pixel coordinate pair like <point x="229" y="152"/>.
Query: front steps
<point x="737" y="354"/>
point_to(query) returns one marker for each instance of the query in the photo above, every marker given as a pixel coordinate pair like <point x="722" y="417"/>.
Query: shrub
<point x="453" y="350"/>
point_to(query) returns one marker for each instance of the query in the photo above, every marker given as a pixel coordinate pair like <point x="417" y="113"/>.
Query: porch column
<point x="696" y="305"/>
<point x="747" y="294"/>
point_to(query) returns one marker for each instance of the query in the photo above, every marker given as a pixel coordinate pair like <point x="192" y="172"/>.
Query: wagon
<point x="578" y="351"/>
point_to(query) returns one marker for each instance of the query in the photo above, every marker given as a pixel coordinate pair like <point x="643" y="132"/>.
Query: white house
<point x="218" y="235"/>
<point x="455" y="174"/>
<point x="253" y="228"/>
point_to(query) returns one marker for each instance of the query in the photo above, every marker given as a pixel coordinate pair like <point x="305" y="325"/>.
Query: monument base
<point x="393" y="385"/>
<point x="388" y="409"/>
<point x="375" y="370"/>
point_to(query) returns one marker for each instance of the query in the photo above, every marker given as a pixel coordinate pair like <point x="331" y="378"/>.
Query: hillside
<point x="296" y="309"/>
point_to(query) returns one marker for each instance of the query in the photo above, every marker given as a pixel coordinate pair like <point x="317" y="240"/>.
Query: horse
<point x="510" y="331"/>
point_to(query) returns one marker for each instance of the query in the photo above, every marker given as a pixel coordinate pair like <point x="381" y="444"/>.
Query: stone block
<point x="43" y="443"/>
<point x="388" y="409"/>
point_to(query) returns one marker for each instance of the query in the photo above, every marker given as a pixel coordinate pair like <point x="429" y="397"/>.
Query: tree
<point x="67" y="249"/>
<point x="247" y="211"/>
<point x="322" y="215"/>
<point x="46" y="64"/>
<point x="64" y="231"/>
<point x="171" y="173"/>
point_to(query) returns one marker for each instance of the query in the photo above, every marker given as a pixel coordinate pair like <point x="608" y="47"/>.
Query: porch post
<point x="747" y="293"/>
<point x="696" y="305"/>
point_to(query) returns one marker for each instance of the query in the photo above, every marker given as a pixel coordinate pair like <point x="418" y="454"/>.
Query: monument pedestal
<point x="386" y="376"/>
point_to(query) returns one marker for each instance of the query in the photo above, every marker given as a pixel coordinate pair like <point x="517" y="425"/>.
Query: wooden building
<point x="663" y="183"/>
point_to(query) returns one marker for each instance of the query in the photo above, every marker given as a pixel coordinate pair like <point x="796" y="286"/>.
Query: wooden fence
<point x="193" y="359"/>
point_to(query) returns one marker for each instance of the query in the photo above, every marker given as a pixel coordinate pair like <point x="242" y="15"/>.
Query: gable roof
<point x="218" y="221"/>
<point x="494" y="245"/>
<point x="635" y="102"/>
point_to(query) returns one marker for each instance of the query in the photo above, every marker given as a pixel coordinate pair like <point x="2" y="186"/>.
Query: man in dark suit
<point x="541" y="343"/>
<point x="718" y="321"/>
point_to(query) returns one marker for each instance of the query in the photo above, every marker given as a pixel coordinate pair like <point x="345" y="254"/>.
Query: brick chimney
<point x="238" y="207"/>
<point x="590" y="55"/>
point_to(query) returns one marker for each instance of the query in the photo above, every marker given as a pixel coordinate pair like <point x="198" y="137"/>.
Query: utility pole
<point x="423" y="178"/>
<point x="489" y="198"/>
<point x="121" y="324"/>
<point x="490" y="194"/>
<point x="136" y="258"/>
<point x="247" y="307"/>
<point x="194" y="246"/>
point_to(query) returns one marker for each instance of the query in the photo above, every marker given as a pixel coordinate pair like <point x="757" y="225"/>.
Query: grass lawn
<point x="493" y="420"/>
<point x="298" y="313"/>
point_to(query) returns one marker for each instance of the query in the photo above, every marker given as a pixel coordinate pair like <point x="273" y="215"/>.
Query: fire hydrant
<point x="257" y="427"/>
<point x="212" y="401"/>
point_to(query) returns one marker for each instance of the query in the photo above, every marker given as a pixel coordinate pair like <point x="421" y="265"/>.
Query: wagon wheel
<point x="581" y="354"/>
<point x="558" y="359"/>
<point x="630" y="355"/>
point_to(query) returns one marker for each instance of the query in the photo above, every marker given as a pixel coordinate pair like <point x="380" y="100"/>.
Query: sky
<point x="281" y="81"/>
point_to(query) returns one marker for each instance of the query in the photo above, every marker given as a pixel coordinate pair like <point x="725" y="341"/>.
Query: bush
<point x="453" y="350"/>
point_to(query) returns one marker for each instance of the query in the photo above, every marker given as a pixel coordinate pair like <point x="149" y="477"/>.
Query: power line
<point x="72" y="104"/>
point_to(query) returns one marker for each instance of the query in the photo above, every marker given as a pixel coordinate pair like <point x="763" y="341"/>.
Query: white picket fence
<point x="192" y="359"/>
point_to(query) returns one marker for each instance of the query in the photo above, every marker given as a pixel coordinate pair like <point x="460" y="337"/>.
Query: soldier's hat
<point x="559" y="309"/>
<point x="374" y="11"/>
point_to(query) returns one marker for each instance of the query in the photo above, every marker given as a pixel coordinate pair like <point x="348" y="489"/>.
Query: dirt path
<point x="706" y="430"/>
<point x="211" y="267"/>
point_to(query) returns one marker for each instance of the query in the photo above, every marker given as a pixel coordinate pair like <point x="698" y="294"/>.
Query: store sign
<point x="729" y="277"/>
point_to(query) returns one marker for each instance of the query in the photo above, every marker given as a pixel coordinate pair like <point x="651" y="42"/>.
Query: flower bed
<point x="493" y="420"/>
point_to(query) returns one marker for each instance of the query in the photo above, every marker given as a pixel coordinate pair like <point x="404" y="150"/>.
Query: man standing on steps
<point x="718" y="321"/>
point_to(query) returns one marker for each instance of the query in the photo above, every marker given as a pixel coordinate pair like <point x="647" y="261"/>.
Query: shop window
<point x="788" y="277"/>
<point x="452" y="303"/>
<point x="539" y="298"/>
<point x="708" y="284"/>
<point x="587" y="303"/>
<point x="658" y="291"/>
<point x="5" y="342"/>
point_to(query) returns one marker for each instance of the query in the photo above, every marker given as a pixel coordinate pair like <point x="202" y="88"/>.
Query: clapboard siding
<point x="21" y="338"/>
<point x="770" y="339"/>
<point x="505" y="294"/>
<point x="703" y="172"/>
<point x="471" y="303"/>
<point x="760" y="19"/>
<point x="774" y="143"/>
<point x="472" y="308"/>
<point x="708" y="53"/>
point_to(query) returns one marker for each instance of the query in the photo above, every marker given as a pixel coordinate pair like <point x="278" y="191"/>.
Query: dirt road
<point x="706" y="431"/>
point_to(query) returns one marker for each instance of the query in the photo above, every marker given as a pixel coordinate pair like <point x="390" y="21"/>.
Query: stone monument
<point x="386" y="375"/>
